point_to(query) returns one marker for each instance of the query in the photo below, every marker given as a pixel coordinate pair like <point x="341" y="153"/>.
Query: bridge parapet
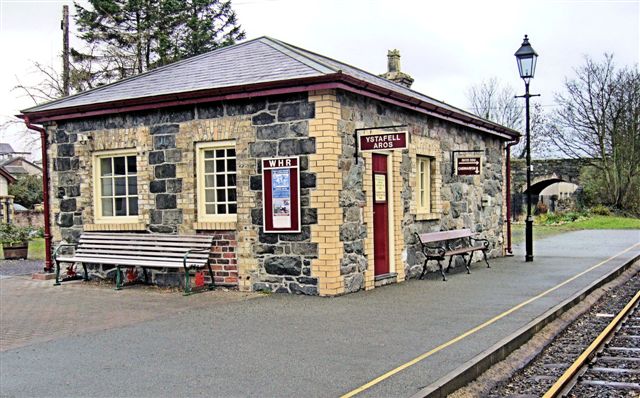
<point x="551" y="170"/>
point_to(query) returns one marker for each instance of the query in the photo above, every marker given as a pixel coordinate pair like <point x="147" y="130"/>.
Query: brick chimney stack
<point x="393" y="70"/>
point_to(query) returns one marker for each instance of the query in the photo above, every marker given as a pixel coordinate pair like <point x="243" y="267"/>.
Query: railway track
<point x="610" y="366"/>
<point x="598" y="355"/>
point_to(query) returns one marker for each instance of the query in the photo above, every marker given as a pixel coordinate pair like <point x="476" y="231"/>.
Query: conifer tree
<point x="128" y="37"/>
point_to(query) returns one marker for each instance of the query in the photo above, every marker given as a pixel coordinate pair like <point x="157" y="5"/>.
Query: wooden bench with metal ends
<point x="139" y="250"/>
<point x="461" y="242"/>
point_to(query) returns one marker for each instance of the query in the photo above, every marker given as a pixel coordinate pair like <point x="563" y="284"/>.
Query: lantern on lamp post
<point x="527" y="57"/>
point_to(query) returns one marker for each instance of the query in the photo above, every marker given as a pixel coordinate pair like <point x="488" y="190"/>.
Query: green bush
<point x="11" y="234"/>
<point x="595" y="193"/>
<point x="542" y="219"/>
<point x="38" y="232"/>
<point x="27" y="191"/>
<point x="559" y="218"/>
<point x="600" y="210"/>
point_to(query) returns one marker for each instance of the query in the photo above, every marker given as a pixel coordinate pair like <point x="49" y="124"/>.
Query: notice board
<point x="281" y="195"/>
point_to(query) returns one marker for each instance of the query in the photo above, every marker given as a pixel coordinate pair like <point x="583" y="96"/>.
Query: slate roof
<point x="16" y="169"/>
<point x="6" y="148"/>
<point x="255" y="61"/>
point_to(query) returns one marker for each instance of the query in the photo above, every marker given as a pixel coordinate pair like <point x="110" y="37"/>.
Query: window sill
<point x="427" y="216"/>
<point x="115" y="227"/>
<point x="215" y="226"/>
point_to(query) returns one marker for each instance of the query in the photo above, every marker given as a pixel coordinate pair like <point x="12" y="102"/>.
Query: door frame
<point x="391" y="244"/>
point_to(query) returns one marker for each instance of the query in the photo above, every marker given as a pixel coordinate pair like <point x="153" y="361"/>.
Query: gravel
<point x="536" y="378"/>
<point x="20" y="267"/>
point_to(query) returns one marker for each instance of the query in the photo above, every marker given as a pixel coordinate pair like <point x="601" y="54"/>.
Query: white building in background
<point x="7" y="151"/>
<point x="558" y="191"/>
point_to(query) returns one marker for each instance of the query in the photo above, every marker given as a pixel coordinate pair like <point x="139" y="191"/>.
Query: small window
<point x="217" y="191"/>
<point x="116" y="187"/>
<point x="424" y="184"/>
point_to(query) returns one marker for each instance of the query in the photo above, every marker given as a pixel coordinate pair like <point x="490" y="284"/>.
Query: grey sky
<point x="445" y="45"/>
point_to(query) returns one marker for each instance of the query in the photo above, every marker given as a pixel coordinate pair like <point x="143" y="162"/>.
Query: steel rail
<point x="572" y="373"/>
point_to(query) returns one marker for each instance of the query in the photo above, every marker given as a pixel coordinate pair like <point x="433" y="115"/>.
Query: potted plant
<point x="15" y="241"/>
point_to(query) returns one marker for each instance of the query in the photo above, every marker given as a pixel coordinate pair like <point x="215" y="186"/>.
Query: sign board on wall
<point x="380" y="188"/>
<point x="382" y="142"/>
<point x="467" y="163"/>
<point x="281" y="195"/>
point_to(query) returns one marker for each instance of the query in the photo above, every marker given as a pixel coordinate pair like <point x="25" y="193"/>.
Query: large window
<point x="424" y="184"/>
<point x="217" y="195"/>
<point x="116" y="187"/>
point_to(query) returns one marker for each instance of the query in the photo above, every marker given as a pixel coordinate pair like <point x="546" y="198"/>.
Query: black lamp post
<point x="526" y="58"/>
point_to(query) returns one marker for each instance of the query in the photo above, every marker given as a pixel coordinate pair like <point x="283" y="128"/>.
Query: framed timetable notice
<point x="281" y="195"/>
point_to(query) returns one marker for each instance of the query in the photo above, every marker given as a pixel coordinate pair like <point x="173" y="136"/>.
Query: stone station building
<point x="179" y="150"/>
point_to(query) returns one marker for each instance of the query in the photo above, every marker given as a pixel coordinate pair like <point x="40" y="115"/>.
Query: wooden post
<point x="64" y="25"/>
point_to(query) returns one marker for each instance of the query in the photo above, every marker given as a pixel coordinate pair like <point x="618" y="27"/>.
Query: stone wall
<point x="459" y="204"/>
<point x="333" y="253"/>
<point x="284" y="259"/>
<point x="29" y="218"/>
<point x="164" y="142"/>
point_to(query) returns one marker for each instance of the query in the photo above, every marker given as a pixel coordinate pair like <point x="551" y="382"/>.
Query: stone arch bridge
<point x="545" y="172"/>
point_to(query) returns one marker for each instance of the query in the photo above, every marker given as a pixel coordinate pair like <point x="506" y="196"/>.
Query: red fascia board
<point x="178" y="99"/>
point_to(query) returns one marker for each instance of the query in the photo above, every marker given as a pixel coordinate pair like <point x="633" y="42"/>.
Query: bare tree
<point x="498" y="103"/>
<point x="50" y="86"/>
<point x="598" y="117"/>
<point x="10" y="126"/>
<point x="495" y="102"/>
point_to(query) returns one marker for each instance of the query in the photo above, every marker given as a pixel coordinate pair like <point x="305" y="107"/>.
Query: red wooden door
<point x="380" y="215"/>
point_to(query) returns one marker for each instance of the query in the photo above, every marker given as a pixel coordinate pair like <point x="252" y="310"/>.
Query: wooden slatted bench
<point x="139" y="250"/>
<point x="461" y="242"/>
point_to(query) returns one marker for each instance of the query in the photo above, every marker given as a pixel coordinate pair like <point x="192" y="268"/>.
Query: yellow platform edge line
<point x="477" y="328"/>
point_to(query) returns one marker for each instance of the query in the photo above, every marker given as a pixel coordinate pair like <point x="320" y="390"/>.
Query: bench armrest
<point x="60" y="246"/>
<point x="186" y="255"/>
<point x="485" y="242"/>
<point x="430" y="251"/>
<point x="433" y="251"/>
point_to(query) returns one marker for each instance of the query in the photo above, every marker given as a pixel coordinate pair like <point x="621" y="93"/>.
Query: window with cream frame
<point x="424" y="184"/>
<point x="116" y="186"/>
<point x="216" y="180"/>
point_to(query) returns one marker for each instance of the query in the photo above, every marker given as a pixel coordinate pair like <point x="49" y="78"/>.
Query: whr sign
<point x="387" y="141"/>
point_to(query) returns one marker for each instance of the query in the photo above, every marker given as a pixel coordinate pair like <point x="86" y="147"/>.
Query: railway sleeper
<point x="614" y="370"/>
<point x="614" y="384"/>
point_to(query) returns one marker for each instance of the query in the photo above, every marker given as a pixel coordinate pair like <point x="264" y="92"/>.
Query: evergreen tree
<point x="206" y="25"/>
<point x="128" y="37"/>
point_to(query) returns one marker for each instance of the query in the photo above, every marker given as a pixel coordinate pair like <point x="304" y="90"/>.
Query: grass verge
<point x="592" y="222"/>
